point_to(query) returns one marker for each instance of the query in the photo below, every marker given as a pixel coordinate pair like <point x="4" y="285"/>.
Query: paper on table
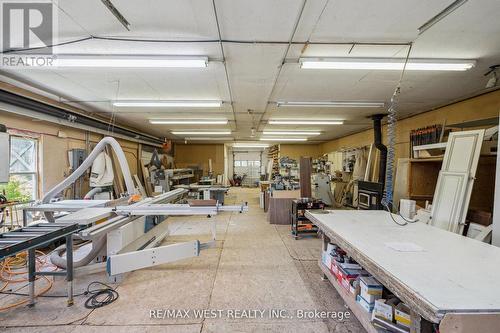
<point x="404" y="247"/>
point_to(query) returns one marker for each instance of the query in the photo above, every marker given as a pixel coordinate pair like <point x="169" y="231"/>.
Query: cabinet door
<point x="456" y="178"/>
<point x="448" y="200"/>
<point x="462" y="151"/>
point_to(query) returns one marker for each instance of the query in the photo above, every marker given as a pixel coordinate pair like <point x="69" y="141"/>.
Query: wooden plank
<point x="470" y="322"/>
<point x="139" y="185"/>
<point x="118" y="184"/>
<point x="433" y="282"/>
<point x="369" y="162"/>
<point x="401" y="181"/>
<point x="305" y="177"/>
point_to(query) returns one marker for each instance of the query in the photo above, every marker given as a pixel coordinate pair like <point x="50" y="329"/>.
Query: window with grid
<point x="23" y="178"/>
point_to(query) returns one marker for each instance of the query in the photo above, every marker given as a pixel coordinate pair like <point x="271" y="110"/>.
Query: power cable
<point x="100" y="296"/>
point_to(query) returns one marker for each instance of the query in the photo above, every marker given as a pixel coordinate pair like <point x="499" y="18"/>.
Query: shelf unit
<point x="422" y="178"/>
<point x="273" y="155"/>
<point x="363" y="316"/>
<point x="300" y="223"/>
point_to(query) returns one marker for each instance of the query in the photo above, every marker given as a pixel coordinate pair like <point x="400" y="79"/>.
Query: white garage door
<point x="249" y="164"/>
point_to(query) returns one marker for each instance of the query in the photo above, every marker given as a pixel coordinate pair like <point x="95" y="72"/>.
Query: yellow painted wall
<point x="296" y="151"/>
<point x="53" y="151"/>
<point x="186" y="155"/>
<point x="480" y="107"/>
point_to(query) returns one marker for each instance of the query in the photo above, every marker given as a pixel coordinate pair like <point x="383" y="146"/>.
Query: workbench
<point x="445" y="278"/>
<point x="207" y="192"/>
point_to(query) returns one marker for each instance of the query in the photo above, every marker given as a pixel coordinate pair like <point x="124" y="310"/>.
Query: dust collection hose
<point x="57" y="259"/>
<point x="90" y="194"/>
<point x="97" y="244"/>
<point x="87" y="163"/>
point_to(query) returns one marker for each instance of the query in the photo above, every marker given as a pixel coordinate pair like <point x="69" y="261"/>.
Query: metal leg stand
<point x="69" y="268"/>
<point x="31" y="276"/>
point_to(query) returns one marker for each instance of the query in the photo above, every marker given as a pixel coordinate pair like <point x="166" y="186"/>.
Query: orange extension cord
<point x="12" y="267"/>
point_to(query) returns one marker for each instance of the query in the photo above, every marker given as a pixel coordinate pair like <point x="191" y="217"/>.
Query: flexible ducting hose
<point x="57" y="259"/>
<point x="87" y="163"/>
<point x="90" y="194"/>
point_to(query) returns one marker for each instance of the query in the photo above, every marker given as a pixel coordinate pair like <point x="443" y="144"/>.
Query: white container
<point x="407" y="208"/>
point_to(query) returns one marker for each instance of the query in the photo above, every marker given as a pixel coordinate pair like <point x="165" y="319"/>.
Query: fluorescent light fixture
<point x="387" y="64"/>
<point x="291" y="133"/>
<point x="169" y="104"/>
<point x="188" y="121"/>
<point x="201" y="133"/>
<point x="129" y="61"/>
<point x="304" y="122"/>
<point x="250" y="145"/>
<point x="198" y="138"/>
<point x="441" y="15"/>
<point x="283" y="139"/>
<point x="332" y="104"/>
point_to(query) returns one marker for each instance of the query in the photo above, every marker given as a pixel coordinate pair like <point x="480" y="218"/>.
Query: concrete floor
<point x="255" y="266"/>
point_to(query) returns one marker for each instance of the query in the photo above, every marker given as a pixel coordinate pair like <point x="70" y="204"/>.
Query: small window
<point x="23" y="178"/>
<point x="244" y="163"/>
<point x="237" y="163"/>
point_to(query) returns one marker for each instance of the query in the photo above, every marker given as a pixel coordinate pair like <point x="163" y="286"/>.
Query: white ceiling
<point x="257" y="33"/>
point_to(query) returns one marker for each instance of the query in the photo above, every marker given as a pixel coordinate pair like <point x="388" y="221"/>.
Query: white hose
<point x="90" y="194"/>
<point x="87" y="163"/>
<point x="57" y="259"/>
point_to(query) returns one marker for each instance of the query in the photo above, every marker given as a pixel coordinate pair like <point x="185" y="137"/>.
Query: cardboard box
<point x="402" y="315"/>
<point x="354" y="288"/>
<point x="345" y="265"/>
<point x="370" y="288"/>
<point x="330" y="248"/>
<point x="326" y="258"/>
<point x="366" y="306"/>
<point x="346" y="283"/>
<point x="350" y="273"/>
<point x="334" y="267"/>
<point x="383" y="311"/>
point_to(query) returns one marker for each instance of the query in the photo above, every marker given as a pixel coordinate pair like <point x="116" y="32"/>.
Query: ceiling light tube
<point x="208" y="139"/>
<point x="387" y="64"/>
<point x="283" y="139"/>
<point x="168" y="104"/>
<point x="200" y="133"/>
<point x="304" y="122"/>
<point x="188" y="121"/>
<point x="333" y="104"/>
<point x="250" y="145"/>
<point x="129" y="61"/>
<point x="291" y="133"/>
<point x="441" y="15"/>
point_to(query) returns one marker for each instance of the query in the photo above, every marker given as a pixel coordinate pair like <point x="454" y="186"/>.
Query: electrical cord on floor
<point x="48" y="296"/>
<point x="100" y="296"/>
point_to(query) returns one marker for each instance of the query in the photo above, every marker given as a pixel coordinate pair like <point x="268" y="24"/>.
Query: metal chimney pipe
<point x="377" y="136"/>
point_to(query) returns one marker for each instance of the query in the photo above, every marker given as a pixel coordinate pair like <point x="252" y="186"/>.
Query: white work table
<point x="445" y="273"/>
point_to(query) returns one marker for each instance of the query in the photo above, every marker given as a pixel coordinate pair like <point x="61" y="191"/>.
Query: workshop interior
<point x="249" y="166"/>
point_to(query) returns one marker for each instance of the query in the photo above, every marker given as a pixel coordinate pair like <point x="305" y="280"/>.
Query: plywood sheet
<point x="401" y="181"/>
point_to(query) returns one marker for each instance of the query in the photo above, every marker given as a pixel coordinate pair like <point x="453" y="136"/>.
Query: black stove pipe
<point x="377" y="133"/>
